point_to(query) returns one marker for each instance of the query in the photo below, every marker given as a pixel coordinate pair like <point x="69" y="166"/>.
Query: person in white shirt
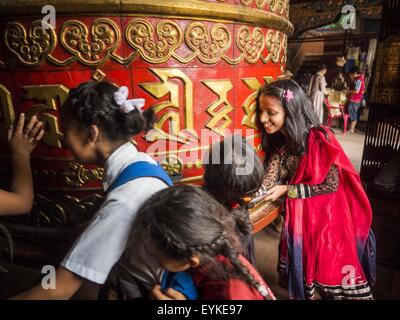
<point x="317" y="91"/>
<point x="99" y="123"/>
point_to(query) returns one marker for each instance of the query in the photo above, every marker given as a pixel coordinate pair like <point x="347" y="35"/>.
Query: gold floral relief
<point x="261" y="3"/>
<point x="273" y="42"/>
<point x="64" y="210"/>
<point x="77" y="175"/>
<point x="94" y="45"/>
<point x="32" y="47"/>
<point x="250" y="43"/>
<point x="246" y="2"/>
<point x="140" y="35"/>
<point x="172" y="165"/>
<point x="284" y="53"/>
<point x="104" y="38"/>
<point x="281" y="6"/>
<point x="272" y="4"/>
<point x="287" y="10"/>
<point x="208" y="47"/>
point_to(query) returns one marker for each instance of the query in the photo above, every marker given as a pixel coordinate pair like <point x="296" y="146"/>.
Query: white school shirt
<point x="102" y="243"/>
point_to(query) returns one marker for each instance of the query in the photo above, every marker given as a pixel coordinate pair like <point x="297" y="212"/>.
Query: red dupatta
<point x="326" y="241"/>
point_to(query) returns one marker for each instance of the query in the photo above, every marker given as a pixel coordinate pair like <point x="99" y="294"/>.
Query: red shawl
<point x="325" y="238"/>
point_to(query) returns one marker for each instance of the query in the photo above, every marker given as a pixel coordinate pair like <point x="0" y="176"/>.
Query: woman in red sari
<point x="327" y="249"/>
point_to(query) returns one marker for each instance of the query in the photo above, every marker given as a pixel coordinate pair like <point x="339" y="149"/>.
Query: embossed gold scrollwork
<point x="385" y="88"/>
<point x="168" y="111"/>
<point x="273" y="42"/>
<point x="246" y="2"/>
<point x="277" y="5"/>
<point x="140" y="35"/>
<point x="64" y="210"/>
<point x="32" y="48"/>
<point x="7" y="116"/>
<point x="77" y="175"/>
<point x="104" y="34"/>
<point x="172" y="165"/>
<point x="208" y="48"/>
<point x="284" y="53"/>
<point x="261" y="3"/>
<point x="49" y="95"/>
<point x="250" y="43"/>
<point x="249" y="105"/>
<point x="220" y="118"/>
<point x="287" y="9"/>
<point x="98" y="75"/>
<point x="281" y="6"/>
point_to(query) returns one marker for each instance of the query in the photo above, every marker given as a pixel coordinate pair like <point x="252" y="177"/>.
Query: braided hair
<point x="184" y="221"/>
<point x="93" y="103"/>
<point x="224" y="181"/>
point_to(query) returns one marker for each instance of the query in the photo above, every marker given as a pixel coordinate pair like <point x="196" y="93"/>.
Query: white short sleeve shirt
<point x="103" y="241"/>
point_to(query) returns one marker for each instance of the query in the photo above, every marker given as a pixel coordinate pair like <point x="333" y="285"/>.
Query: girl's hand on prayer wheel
<point x="276" y="192"/>
<point x="25" y="138"/>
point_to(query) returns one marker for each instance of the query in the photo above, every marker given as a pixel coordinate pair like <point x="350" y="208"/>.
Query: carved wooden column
<point x="382" y="139"/>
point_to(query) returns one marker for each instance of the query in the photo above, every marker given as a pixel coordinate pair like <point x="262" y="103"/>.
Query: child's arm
<point x="67" y="284"/>
<point x="22" y="141"/>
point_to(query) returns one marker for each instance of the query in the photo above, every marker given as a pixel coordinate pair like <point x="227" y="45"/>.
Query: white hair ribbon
<point x="127" y="106"/>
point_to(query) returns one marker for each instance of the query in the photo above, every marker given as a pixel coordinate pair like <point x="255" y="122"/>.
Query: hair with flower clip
<point x="287" y="95"/>
<point x="299" y="117"/>
<point x="126" y="106"/>
<point x="105" y="105"/>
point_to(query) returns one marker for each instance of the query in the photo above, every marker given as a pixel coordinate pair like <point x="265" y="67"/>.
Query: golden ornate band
<point x="156" y="43"/>
<point x="188" y="9"/>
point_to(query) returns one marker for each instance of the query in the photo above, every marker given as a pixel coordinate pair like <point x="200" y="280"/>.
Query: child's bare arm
<point x="22" y="141"/>
<point x="67" y="284"/>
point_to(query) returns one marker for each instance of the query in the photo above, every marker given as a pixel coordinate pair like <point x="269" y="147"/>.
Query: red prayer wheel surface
<point x="199" y="63"/>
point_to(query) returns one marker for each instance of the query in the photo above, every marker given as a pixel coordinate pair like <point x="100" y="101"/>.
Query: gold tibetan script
<point x="220" y="119"/>
<point x="48" y="95"/>
<point x="249" y="105"/>
<point x="168" y="111"/>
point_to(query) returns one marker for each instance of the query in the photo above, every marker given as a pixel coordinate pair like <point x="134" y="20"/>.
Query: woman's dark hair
<point x="93" y="103"/>
<point x="184" y="221"/>
<point x="232" y="171"/>
<point x="355" y="70"/>
<point x="322" y="66"/>
<point x="300" y="118"/>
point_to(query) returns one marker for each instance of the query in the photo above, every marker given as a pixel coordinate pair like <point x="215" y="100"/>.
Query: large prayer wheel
<point x="199" y="63"/>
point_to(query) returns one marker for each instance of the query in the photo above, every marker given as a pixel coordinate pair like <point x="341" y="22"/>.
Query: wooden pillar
<point x="382" y="139"/>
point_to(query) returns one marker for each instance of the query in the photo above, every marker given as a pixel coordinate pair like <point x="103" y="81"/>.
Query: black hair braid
<point x="241" y="270"/>
<point x="183" y="250"/>
<point x="242" y="219"/>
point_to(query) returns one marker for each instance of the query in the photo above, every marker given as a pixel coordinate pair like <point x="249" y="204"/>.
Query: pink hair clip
<point x="288" y="95"/>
